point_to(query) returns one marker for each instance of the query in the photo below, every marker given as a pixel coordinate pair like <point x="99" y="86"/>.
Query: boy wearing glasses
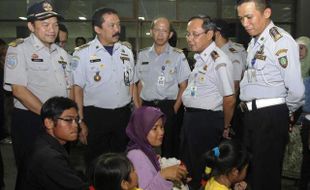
<point x="48" y="166"/>
<point x="208" y="99"/>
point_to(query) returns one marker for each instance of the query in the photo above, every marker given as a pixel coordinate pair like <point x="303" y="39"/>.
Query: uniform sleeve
<point x="62" y="175"/>
<point x="69" y="78"/>
<point x="149" y="178"/>
<point x="287" y="59"/>
<point x="138" y="64"/>
<point x="15" y="68"/>
<point x="237" y="67"/>
<point x="132" y="65"/>
<point x="225" y="82"/>
<point x="183" y="69"/>
<point x="78" y="66"/>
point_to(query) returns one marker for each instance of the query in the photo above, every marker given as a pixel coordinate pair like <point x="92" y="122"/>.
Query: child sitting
<point x="226" y="166"/>
<point x="112" y="171"/>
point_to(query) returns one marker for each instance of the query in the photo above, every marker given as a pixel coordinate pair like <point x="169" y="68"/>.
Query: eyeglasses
<point x="195" y="35"/>
<point x="77" y="120"/>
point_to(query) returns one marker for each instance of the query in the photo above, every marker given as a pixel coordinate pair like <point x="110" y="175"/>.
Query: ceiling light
<point x="147" y="33"/>
<point x="82" y="18"/>
<point x="287" y="8"/>
<point x="141" y="18"/>
<point x="22" y="18"/>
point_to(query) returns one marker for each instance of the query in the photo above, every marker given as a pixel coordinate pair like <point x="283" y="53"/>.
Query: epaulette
<point x="177" y="50"/>
<point x="127" y="44"/>
<point x="237" y="44"/>
<point x="214" y="55"/>
<point x="233" y="50"/>
<point x="143" y="49"/>
<point x="275" y="34"/>
<point x="81" y="47"/>
<point x="16" y="42"/>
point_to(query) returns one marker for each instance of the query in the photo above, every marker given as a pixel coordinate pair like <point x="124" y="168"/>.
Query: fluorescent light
<point x="287" y="8"/>
<point x="141" y="18"/>
<point x="22" y="18"/>
<point x="147" y="33"/>
<point x="82" y="18"/>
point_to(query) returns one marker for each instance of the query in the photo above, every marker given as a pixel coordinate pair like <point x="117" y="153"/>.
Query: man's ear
<point x="267" y="13"/>
<point x="210" y="34"/>
<point x="48" y="123"/>
<point x="30" y="26"/>
<point x="125" y="185"/>
<point x="97" y="29"/>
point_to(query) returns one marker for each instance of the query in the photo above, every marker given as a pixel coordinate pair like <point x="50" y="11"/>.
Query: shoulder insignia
<point x="281" y="51"/>
<point x="177" y="50"/>
<point x="214" y="55"/>
<point x="233" y="50"/>
<point x="237" y="44"/>
<point x="220" y="65"/>
<point x="274" y="33"/>
<point x="16" y="42"/>
<point x="81" y="47"/>
<point x="127" y="44"/>
<point x="283" y="61"/>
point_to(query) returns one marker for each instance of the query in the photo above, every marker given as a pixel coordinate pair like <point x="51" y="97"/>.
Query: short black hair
<point x="55" y="106"/>
<point x="207" y="25"/>
<point x="223" y="27"/>
<point x="261" y="5"/>
<point x="62" y="27"/>
<point x="80" y="38"/>
<point x="97" y="18"/>
<point x="228" y="155"/>
<point x="109" y="170"/>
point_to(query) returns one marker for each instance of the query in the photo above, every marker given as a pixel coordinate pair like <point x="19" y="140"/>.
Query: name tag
<point x="95" y="60"/>
<point x="37" y="60"/>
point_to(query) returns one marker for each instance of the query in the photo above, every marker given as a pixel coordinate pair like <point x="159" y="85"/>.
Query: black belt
<point x="111" y="109"/>
<point x="188" y="109"/>
<point x="157" y="102"/>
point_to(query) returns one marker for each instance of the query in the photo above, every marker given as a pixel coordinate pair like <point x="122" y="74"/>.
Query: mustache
<point x="116" y="34"/>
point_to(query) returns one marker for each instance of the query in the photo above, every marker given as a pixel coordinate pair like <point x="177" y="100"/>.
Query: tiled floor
<point x="76" y="157"/>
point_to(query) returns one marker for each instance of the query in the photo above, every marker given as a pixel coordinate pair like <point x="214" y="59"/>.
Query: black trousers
<point x="201" y="131"/>
<point x="171" y="141"/>
<point x="106" y="130"/>
<point x="265" y="136"/>
<point x="305" y="167"/>
<point x="26" y="126"/>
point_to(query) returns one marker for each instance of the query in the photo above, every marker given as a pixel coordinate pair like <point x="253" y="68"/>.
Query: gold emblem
<point x="47" y="7"/>
<point x="205" y="67"/>
<point x="97" y="77"/>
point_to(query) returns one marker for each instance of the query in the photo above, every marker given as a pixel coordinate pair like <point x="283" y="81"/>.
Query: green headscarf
<point x="305" y="63"/>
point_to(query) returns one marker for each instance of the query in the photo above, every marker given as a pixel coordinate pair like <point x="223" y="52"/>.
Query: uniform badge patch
<point x="274" y="33"/>
<point x="283" y="61"/>
<point x="11" y="61"/>
<point x="168" y="62"/>
<point x="233" y="50"/>
<point x="75" y="62"/>
<point x="214" y="55"/>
